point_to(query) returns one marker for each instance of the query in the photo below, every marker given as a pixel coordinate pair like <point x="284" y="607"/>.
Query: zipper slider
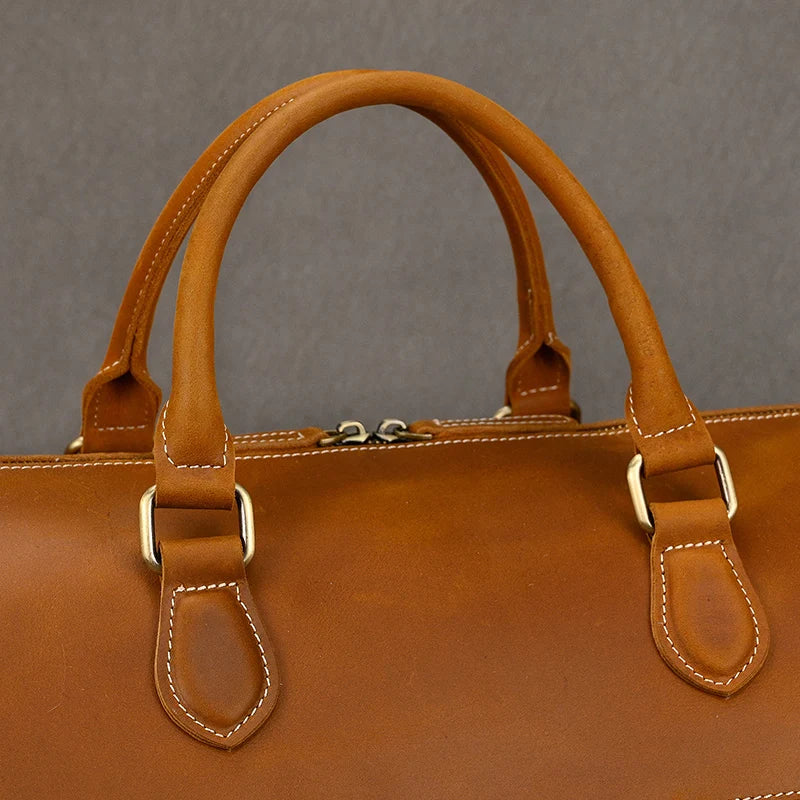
<point x="349" y="431"/>
<point x="352" y="431"/>
<point x="396" y="430"/>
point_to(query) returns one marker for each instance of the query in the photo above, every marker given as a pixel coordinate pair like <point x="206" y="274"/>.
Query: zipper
<point x="353" y="432"/>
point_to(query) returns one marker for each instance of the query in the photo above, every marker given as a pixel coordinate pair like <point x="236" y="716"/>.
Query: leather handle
<point x="120" y="403"/>
<point x="194" y="458"/>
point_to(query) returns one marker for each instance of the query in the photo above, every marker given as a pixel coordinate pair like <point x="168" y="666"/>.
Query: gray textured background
<point x="369" y="275"/>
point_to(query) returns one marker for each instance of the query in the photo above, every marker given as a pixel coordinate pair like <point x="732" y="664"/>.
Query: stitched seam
<point x="508" y="421"/>
<point x="517" y="417"/>
<point x="793" y="793"/>
<point x="243" y="135"/>
<point x="529" y="298"/>
<point x="526" y="392"/>
<point x="119" y="427"/>
<point x="617" y="431"/>
<point x="685" y="663"/>
<point x="660" y="433"/>
<point x="191" y="466"/>
<point x="98" y="395"/>
<point x="204" y="588"/>
<point x="271" y="436"/>
<point x="549" y="340"/>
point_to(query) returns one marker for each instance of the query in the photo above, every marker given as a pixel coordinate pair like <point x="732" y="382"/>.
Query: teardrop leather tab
<point x="707" y="620"/>
<point x="215" y="670"/>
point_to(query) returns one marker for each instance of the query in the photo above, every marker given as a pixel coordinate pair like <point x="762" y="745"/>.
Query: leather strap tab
<point x="707" y="620"/>
<point x="215" y="670"/>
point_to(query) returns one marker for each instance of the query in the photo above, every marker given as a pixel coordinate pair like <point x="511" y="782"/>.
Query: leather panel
<point x="496" y="644"/>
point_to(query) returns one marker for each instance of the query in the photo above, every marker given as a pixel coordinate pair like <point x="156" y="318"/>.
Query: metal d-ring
<point x="147" y="528"/>
<point x="642" y="508"/>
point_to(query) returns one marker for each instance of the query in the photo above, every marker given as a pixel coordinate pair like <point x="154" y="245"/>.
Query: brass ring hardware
<point x="147" y="531"/>
<point x="75" y="446"/>
<point x="641" y="506"/>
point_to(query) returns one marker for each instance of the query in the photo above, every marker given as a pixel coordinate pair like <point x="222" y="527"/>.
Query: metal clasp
<point x="642" y="508"/>
<point x="147" y="530"/>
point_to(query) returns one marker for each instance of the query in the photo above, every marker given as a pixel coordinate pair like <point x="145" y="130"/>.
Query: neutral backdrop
<point x="369" y="275"/>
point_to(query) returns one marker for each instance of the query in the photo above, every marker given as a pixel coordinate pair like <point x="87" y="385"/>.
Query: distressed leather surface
<point x="454" y="620"/>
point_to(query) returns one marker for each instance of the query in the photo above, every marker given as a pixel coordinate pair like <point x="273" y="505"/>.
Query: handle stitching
<point x="192" y="466"/>
<point x="204" y="588"/>
<point x="746" y="597"/>
<point x="171" y="227"/>
<point x="660" y="433"/>
<point x="549" y="339"/>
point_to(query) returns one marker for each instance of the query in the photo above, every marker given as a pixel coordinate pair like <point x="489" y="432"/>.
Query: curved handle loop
<point x="194" y="458"/>
<point x="121" y="402"/>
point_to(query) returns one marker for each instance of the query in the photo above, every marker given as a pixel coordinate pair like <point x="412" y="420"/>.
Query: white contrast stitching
<point x="526" y="392"/>
<point x="529" y="299"/>
<point x="514" y="417"/>
<point x="192" y="466"/>
<point x="746" y="597"/>
<point x="660" y="433"/>
<point x="793" y="793"/>
<point x="170" y="228"/>
<point x="545" y="420"/>
<point x="118" y="427"/>
<point x="203" y="588"/>
<point x="549" y="339"/>
<point x="617" y="430"/>
<point x="271" y="436"/>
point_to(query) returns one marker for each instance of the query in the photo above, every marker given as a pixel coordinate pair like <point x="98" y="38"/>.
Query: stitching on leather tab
<point x="526" y="392"/>
<point x="747" y="600"/>
<point x="205" y="588"/>
<point x="793" y="793"/>
<point x="191" y="466"/>
<point x="549" y="339"/>
<point x="660" y="433"/>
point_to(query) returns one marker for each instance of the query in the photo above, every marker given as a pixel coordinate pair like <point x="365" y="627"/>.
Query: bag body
<point x="449" y="609"/>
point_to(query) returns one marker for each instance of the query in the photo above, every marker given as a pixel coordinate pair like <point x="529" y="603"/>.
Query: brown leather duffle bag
<point x="517" y="606"/>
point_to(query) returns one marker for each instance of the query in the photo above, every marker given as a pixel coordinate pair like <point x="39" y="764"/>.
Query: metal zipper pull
<point x="396" y="430"/>
<point x="349" y="431"/>
<point x="352" y="431"/>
